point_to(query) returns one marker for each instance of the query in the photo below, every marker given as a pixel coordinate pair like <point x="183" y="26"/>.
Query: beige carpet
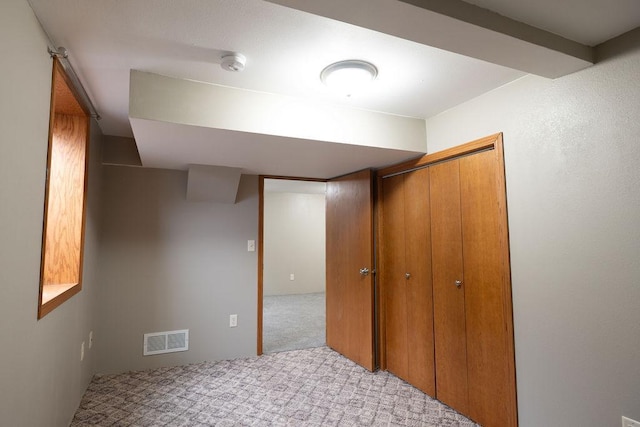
<point x="314" y="387"/>
<point x="293" y="322"/>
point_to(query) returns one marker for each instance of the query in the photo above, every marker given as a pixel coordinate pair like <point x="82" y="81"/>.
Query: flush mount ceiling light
<point x="349" y="76"/>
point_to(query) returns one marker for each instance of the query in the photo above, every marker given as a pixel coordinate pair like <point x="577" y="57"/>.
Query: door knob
<point x="364" y="271"/>
<point x="458" y="283"/>
<point x="407" y="275"/>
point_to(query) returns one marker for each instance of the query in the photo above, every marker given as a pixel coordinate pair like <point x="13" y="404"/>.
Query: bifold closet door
<point x="393" y="276"/>
<point x="473" y="326"/>
<point x="448" y="293"/>
<point x="406" y="275"/>
<point x="487" y="283"/>
<point x="419" y="282"/>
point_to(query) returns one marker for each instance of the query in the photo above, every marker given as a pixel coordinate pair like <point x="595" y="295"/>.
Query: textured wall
<point x="41" y="376"/>
<point x="572" y="149"/>
<point x="169" y="264"/>
<point x="294" y="242"/>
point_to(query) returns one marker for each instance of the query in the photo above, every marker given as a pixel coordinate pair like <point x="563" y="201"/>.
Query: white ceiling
<point x="286" y="49"/>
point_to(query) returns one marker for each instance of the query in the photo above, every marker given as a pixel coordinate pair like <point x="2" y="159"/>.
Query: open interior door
<point x="350" y="281"/>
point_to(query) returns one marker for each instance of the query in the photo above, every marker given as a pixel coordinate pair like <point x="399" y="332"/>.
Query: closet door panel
<point x="393" y="276"/>
<point x="419" y="291"/>
<point x="448" y="299"/>
<point x="489" y="344"/>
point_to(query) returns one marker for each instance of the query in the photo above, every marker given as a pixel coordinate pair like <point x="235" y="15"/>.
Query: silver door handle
<point x="407" y="275"/>
<point x="364" y="271"/>
<point x="458" y="283"/>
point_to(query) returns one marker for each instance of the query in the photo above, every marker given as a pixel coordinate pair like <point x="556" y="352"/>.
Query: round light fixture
<point x="233" y="62"/>
<point x="349" y="76"/>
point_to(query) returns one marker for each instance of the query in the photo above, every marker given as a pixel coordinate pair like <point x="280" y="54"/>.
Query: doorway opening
<point x="292" y="301"/>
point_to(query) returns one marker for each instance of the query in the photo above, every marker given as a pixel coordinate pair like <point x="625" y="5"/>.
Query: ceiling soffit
<point x="261" y="133"/>
<point x="462" y="28"/>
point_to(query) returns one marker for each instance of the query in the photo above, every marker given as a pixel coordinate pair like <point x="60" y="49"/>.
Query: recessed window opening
<point x="63" y="231"/>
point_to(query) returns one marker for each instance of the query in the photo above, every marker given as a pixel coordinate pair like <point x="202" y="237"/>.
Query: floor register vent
<point x="165" y="342"/>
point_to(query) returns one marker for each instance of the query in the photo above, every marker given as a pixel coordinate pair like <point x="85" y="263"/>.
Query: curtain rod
<point x="63" y="56"/>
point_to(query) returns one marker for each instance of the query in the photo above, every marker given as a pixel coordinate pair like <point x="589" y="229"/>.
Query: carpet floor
<point x="313" y="387"/>
<point x="293" y="322"/>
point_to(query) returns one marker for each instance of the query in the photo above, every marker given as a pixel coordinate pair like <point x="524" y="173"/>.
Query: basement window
<point x="65" y="196"/>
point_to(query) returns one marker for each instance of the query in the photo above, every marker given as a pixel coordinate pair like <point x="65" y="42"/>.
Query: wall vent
<point x="165" y="342"/>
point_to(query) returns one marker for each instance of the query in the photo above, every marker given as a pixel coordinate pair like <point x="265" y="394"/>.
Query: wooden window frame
<point x="63" y="247"/>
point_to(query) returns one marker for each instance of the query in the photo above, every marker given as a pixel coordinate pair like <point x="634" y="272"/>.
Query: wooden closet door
<point x="393" y="276"/>
<point x="406" y="275"/>
<point x="419" y="291"/>
<point x="490" y="350"/>
<point x="448" y="298"/>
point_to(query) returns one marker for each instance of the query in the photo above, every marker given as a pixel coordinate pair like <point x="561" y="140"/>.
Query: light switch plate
<point x="251" y="245"/>
<point x="233" y="320"/>
<point x="628" y="422"/>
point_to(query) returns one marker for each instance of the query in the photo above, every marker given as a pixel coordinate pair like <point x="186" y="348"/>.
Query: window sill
<point x="55" y="294"/>
<point x="49" y="292"/>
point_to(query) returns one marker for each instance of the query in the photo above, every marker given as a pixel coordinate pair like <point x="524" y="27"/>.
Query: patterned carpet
<point x="313" y="387"/>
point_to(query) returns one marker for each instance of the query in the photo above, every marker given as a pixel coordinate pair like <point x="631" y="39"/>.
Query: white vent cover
<point x="165" y="342"/>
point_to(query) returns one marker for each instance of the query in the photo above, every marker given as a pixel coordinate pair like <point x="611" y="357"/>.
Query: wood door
<point x="393" y="270"/>
<point x="448" y="298"/>
<point x="406" y="277"/>
<point x="490" y="350"/>
<point x="350" y="315"/>
<point x="419" y="291"/>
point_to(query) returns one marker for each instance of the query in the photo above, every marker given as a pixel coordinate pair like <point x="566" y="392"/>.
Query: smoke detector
<point x="233" y="62"/>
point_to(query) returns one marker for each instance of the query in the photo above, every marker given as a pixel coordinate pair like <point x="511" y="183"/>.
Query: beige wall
<point x="169" y="264"/>
<point x="41" y="376"/>
<point x="572" y="151"/>
<point x="294" y="242"/>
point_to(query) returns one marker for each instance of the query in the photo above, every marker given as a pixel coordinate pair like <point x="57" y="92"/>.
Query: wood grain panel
<point x="488" y="317"/>
<point x="66" y="101"/>
<point x="448" y="300"/>
<point x="392" y="277"/>
<point x="336" y="270"/>
<point x="349" y="219"/>
<point x="66" y="201"/>
<point x="419" y="290"/>
<point x="505" y="258"/>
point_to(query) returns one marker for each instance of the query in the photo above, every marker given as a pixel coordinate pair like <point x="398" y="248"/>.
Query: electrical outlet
<point x="628" y="422"/>
<point x="82" y="351"/>
<point x="251" y="245"/>
<point x="292" y="276"/>
<point x="233" y="320"/>
<point x="90" y="339"/>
